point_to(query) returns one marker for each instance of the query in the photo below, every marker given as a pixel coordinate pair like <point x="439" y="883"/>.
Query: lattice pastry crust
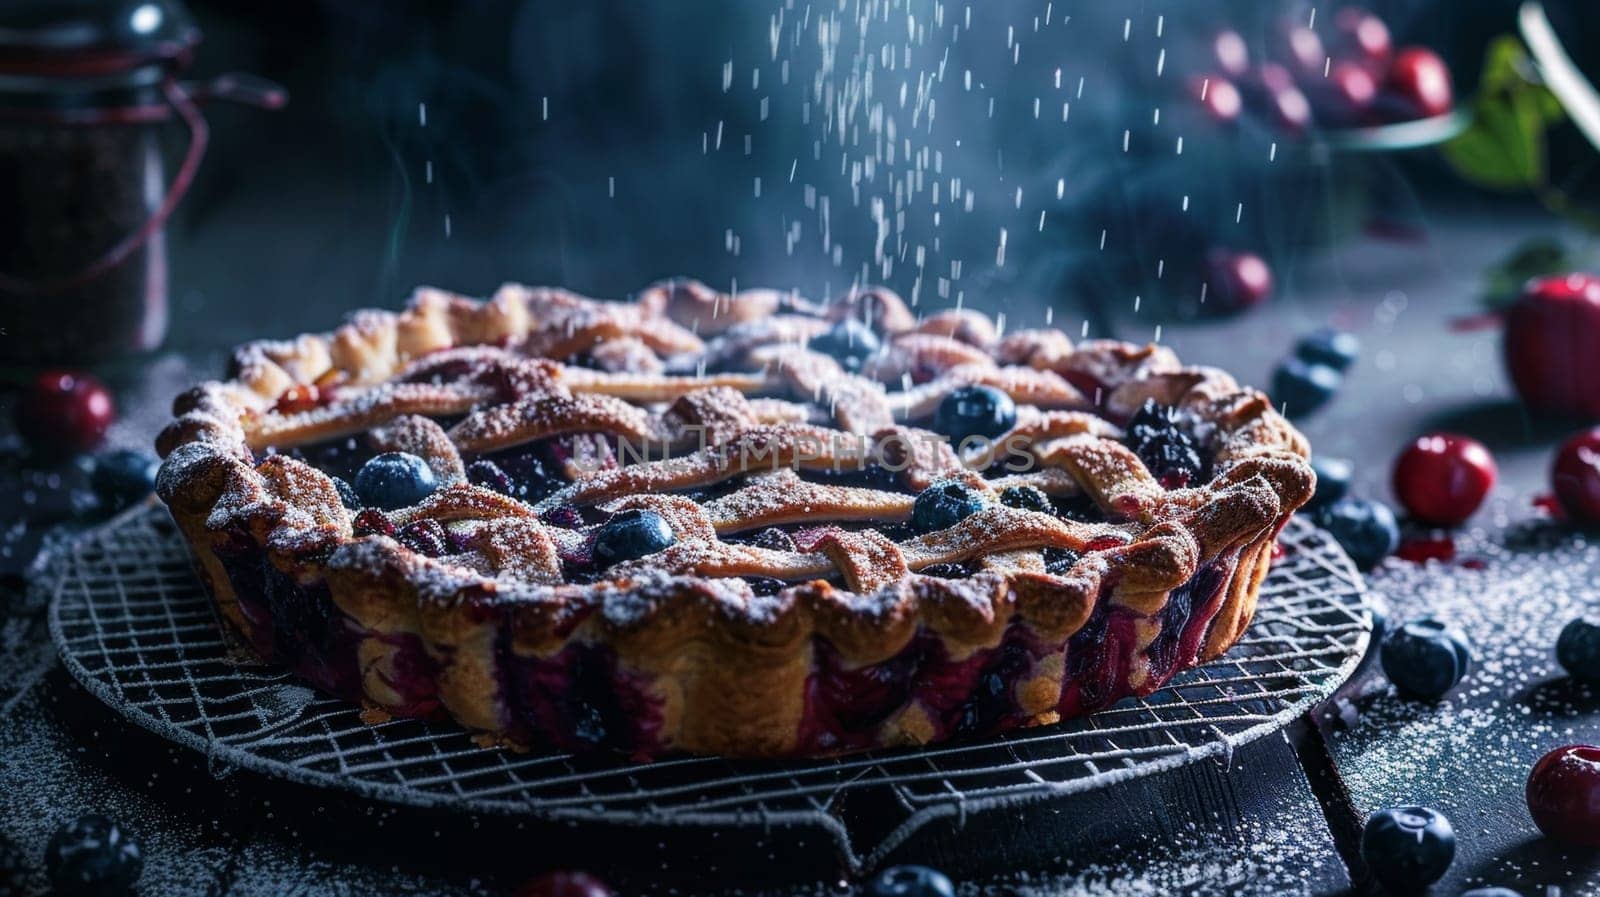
<point x="867" y="640"/>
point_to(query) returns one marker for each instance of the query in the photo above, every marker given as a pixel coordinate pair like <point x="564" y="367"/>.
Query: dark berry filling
<point x="564" y="516"/>
<point x="960" y="570"/>
<point x="294" y="623"/>
<point x="412" y="674"/>
<point x="992" y="706"/>
<point x="974" y="695"/>
<point x="1078" y="507"/>
<point x="861" y="475"/>
<point x="1025" y="498"/>
<point x="526" y="472"/>
<point x="489" y="475"/>
<point x="580" y="699"/>
<point x="321" y="644"/>
<point x="1058" y="561"/>
<point x="845" y="705"/>
<point x="765" y="585"/>
<point x="1160" y="437"/>
<point x="1094" y="667"/>
<point x="426" y="536"/>
<point x="338" y="457"/>
<point x="372" y="522"/>
<point x="1099" y="654"/>
<point x="772" y="538"/>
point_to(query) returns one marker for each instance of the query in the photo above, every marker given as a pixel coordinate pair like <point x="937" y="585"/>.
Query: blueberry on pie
<point x="746" y="524"/>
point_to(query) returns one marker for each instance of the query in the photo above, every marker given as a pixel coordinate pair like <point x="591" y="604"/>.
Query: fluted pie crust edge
<point x="653" y="661"/>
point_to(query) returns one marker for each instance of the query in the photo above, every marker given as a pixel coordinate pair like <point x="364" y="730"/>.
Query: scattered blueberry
<point x="1058" y="561"/>
<point x="372" y="522"/>
<point x="1578" y="650"/>
<point x="945" y="504"/>
<point x="1333" y="480"/>
<point x="1158" y="438"/>
<point x="1300" y="387"/>
<point x="1408" y="848"/>
<point x="1425" y="659"/>
<point x="975" y="411"/>
<point x="910" y="881"/>
<point x="1366" y="530"/>
<point x="849" y="341"/>
<point x="1026" y="498"/>
<point x="124" y="476"/>
<point x="1334" y="348"/>
<point x="632" y="534"/>
<point x="426" y="536"/>
<point x="92" y="855"/>
<point x="395" y="480"/>
<point x="489" y="475"/>
<point x="347" y="493"/>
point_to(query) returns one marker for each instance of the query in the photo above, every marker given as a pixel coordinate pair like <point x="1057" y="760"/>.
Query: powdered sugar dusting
<point x="1470" y="754"/>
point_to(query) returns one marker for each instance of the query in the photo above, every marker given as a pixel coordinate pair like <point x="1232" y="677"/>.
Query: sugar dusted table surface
<point x="1274" y="821"/>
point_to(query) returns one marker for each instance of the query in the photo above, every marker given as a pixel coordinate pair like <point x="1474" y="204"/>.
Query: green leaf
<point x="1504" y="147"/>
<point x="1535" y="257"/>
<point x="1497" y="150"/>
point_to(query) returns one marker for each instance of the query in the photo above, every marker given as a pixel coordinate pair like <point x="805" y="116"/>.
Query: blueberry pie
<point x="746" y="524"/>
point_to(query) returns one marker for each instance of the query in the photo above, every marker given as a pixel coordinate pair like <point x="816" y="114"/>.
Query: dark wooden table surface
<point x="1279" y="818"/>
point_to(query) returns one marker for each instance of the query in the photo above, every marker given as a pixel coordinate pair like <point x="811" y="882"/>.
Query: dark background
<point x="338" y="189"/>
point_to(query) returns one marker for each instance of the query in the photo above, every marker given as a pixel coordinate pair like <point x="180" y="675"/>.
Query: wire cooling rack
<point x="134" y="626"/>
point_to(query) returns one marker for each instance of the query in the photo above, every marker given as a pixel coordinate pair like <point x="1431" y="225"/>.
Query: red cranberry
<point x="1362" y="38"/>
<point x="1564" y="794"/>
<point x="1237" y="280"/>
<point x="1218" y="97"/>
<point x="64" y="413"/>
<point x="1442" y="478"/>
<point x="1420" y="80"/>
<point x="1345" y="97"/>
<point x="1231" y="52"/>
<point x="1275" y="97"/>
<point x="564" y="884"/>
<point x="1575" y="476"/>
<point x="1552" y="337"/>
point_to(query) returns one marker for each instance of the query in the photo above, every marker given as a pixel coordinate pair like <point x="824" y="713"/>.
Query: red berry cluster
<point x="1355" y="78"/>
